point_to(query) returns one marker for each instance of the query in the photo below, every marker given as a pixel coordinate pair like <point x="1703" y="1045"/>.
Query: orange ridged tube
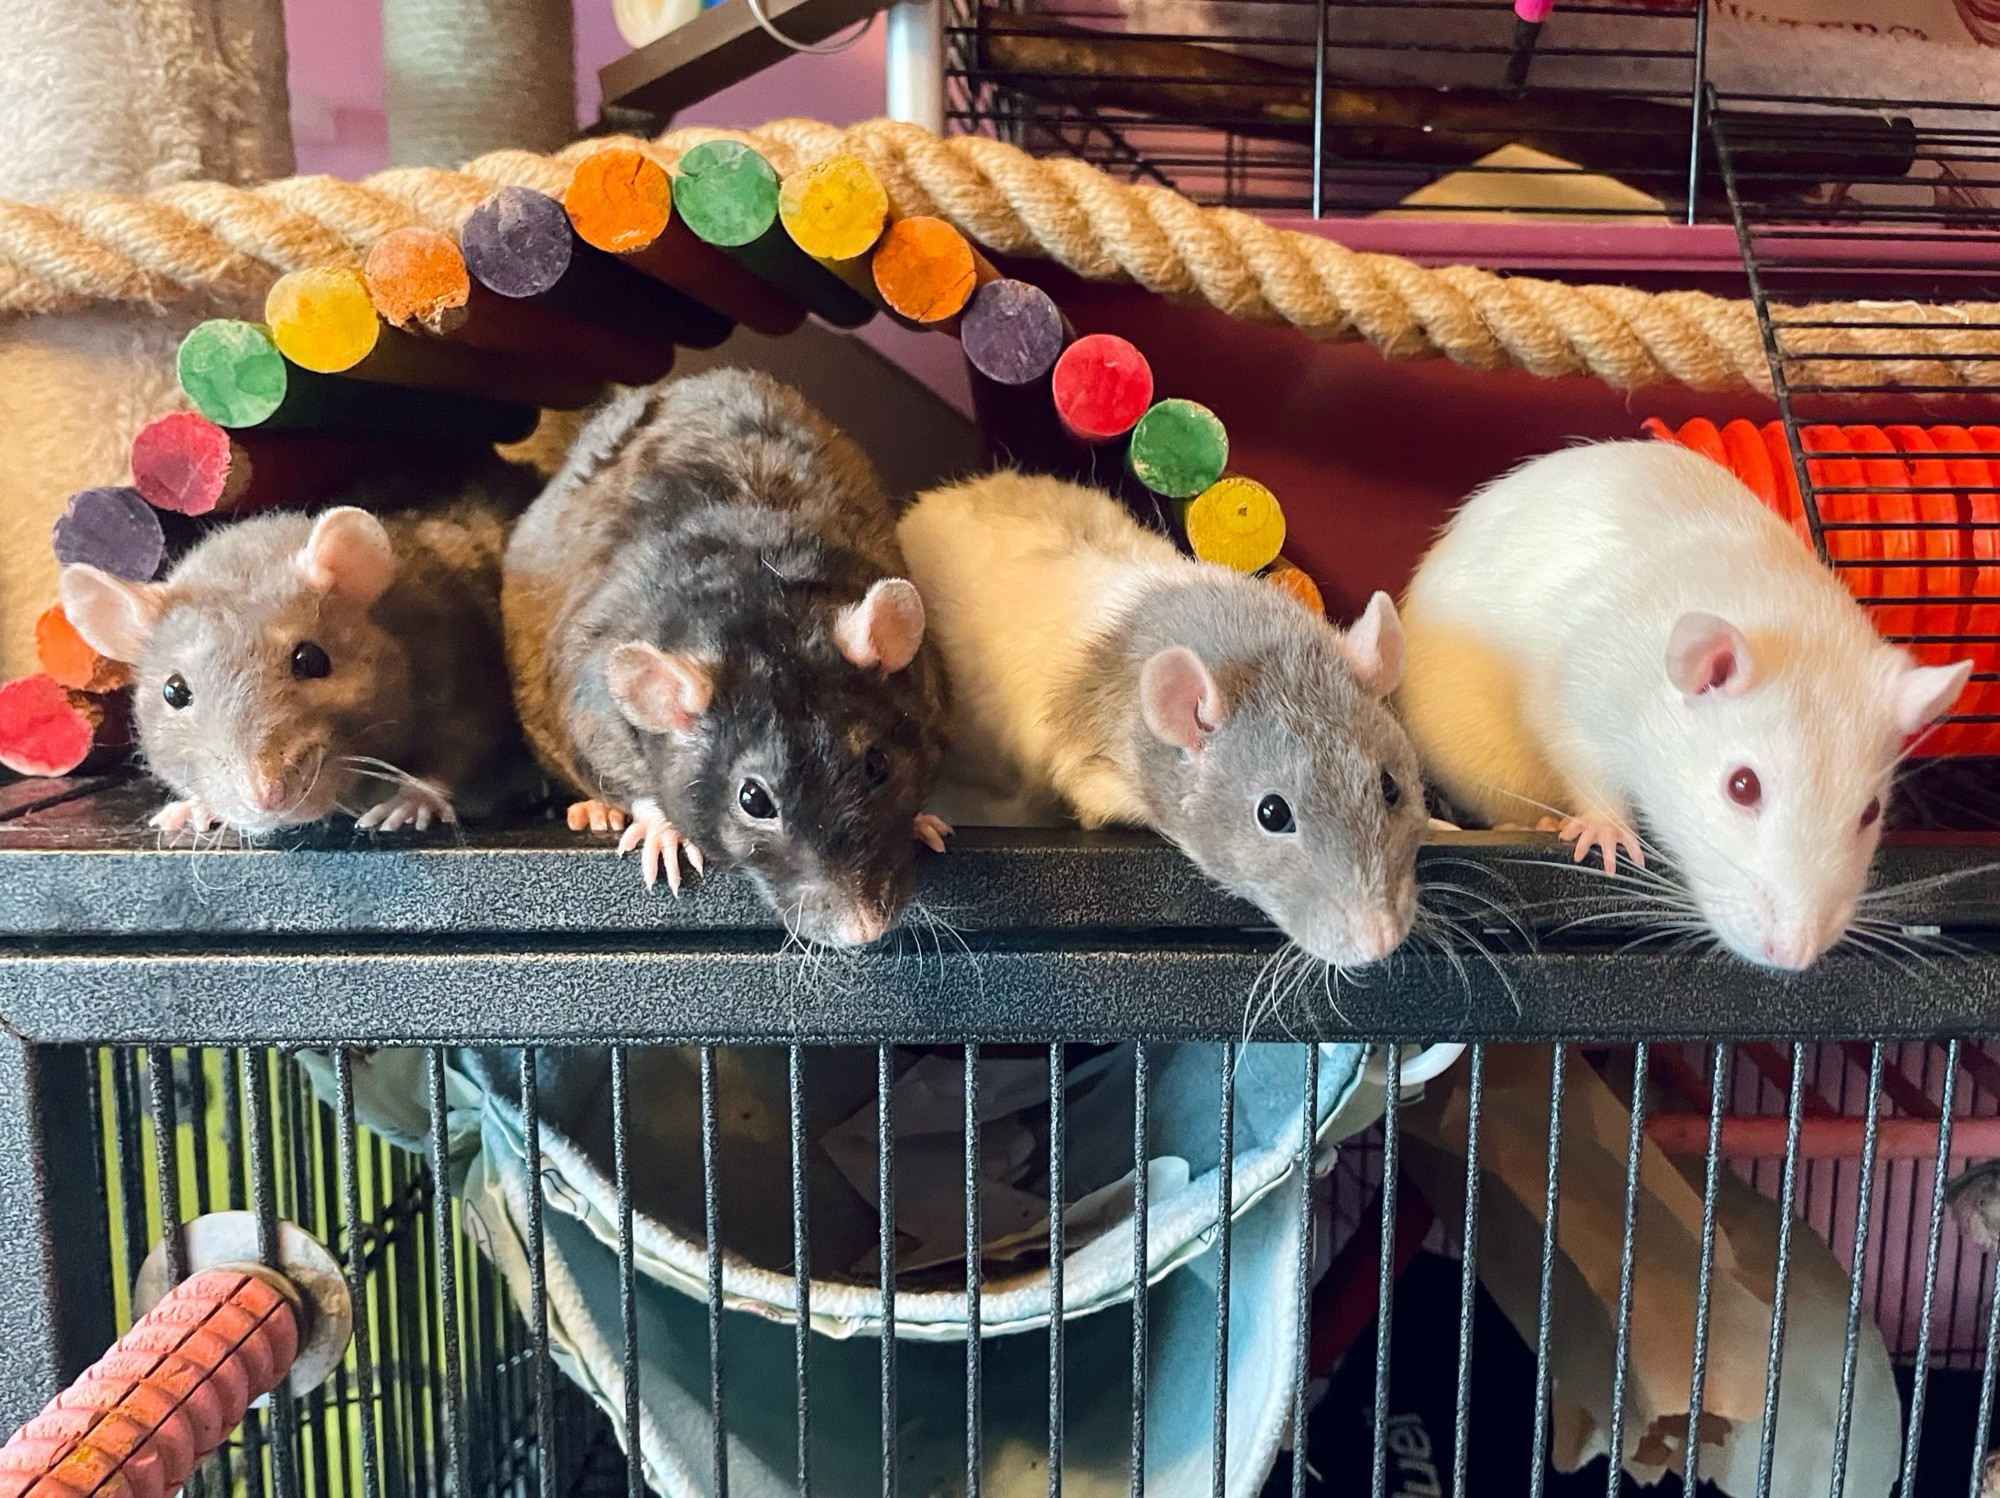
<point x="1930" y="498"/>
<point x="148" y="1413"/>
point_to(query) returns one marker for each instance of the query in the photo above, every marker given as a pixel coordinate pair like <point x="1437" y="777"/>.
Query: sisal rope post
<point x="465" y="76"/>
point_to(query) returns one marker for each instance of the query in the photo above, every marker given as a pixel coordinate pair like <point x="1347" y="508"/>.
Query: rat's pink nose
<point x="1793" y="949"/>
<point x="1376" y="935"/>
<point x="861" y="925"/>
<point x="267" y="791"/>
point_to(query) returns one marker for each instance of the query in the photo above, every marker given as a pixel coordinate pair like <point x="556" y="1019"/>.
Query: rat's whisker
<point x="1479" y="902"/>
<point x="1918" y="886"/>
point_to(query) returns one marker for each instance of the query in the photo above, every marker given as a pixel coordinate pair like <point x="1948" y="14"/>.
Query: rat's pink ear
<point x="1707" y="654"/>
<point x="115" y="617"/>
<point x="658" y="692"/>
<point x="1374" y="647"/>
<point x="348" y="553"/>
<point x="1921" y="694"/>
<point x="885" y="629"/>
<point x="1180" y="699"/>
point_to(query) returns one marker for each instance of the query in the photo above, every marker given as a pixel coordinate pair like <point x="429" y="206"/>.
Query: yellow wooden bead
<point x="322" y="319"/>
<point x="1236" y="522"/>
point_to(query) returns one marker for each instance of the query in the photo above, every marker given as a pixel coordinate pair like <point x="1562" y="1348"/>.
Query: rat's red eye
<point x="1744" y="787"/>
<point x="1870" y="812"/>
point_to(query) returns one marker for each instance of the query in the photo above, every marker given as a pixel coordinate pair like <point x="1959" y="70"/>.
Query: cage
<point x="161" y="1010"/>
<point x="165" y="1051"/>
<point x="1416" y="108"/>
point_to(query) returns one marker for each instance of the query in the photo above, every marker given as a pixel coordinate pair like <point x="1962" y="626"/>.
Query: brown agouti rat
<point x="292" y="666"/>
<point x="709" y="636"/>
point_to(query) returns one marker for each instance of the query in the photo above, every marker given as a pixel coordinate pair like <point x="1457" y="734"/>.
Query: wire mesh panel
<point x="1872" y="289"/>
<point x="453" y="1385"/>
<point x="1405" y="107"/>
<point x="439" y="1392"/>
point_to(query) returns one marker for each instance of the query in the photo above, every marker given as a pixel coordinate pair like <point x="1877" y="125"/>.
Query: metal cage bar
<point x="426" y="1358"/>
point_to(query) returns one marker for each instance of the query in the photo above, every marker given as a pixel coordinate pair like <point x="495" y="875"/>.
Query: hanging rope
<point x="206" y="238"/>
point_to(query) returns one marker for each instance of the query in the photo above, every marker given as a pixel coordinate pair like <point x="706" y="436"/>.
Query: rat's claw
<point x="661" y="845"/>
<point x="694" y="858"/>
<point x="414" y="805"/>
<point x="1610" y="837"/>
<point x="176" y="816"/>
<point x="932" y="831"/>
<point x="597" y="816"/>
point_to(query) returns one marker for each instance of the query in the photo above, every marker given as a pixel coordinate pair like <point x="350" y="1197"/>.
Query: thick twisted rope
<point x="206" y="238"/>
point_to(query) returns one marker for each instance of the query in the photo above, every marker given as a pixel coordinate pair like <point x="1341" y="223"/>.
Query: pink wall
<point x="336" y="80"/>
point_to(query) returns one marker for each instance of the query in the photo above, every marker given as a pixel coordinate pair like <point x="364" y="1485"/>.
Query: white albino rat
<point x="1623" y="635"/>
<point x="1092" y="664"/>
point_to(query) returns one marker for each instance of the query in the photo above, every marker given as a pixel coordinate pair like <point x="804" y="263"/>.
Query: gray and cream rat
<point x="1094" y="665"/>
<point x="292" y="666"/>
<point x="1622" y="635"/>
<point x="711" y="638"/>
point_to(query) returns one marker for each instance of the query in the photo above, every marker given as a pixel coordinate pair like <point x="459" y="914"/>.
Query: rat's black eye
<point x="1274" y="814"/>
<point x="1391" y="792"/>
<point x="875" y="765"/>
<point x="1870" y="812"/>
<point x="756" y="802"/>
<point x="309" y="662"/>
<point x="177" y="692"/>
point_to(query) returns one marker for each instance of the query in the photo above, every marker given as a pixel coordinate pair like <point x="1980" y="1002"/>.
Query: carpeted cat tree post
<point x="130" y="96"/>
<point x="112" y="96"/>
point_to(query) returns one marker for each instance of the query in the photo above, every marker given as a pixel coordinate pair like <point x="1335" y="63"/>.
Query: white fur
<point x="1536" y="681"/>
<point x="1020" y="577"/>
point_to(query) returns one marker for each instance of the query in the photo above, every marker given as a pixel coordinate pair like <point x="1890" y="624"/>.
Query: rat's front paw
<point x="662" y="843"/>
<point x="414" y="804"/>
<point x="932" y="831"/>
<point x="595" y="816"/>
<point x="1612" y="837"/>
<point x="177" y="816"/>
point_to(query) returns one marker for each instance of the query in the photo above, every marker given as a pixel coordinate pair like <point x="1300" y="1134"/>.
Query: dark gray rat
<point x="291" y="666"/>
<point x="710" y="636"/>
<point x="1094" y="665"/>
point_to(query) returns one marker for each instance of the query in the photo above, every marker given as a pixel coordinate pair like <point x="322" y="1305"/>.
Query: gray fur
<point x="419" y="679"/>
<point x="721" y="517"/>
<point x="1298" y="724"/>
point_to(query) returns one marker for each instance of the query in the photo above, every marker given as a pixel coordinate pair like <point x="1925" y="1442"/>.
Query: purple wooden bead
<point x="1012" y="332"/>
<point x="114" y="530"/>
<point x="518" y="242"/>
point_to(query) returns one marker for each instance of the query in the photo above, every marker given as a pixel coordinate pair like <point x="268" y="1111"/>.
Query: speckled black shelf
<point x="530" y="932"/>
